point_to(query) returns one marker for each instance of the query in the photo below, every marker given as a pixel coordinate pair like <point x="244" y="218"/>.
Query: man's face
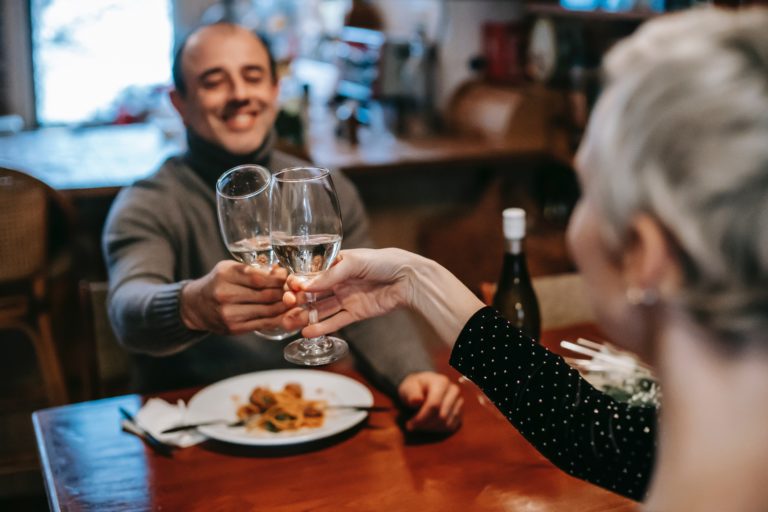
<point x="231" y="97"/>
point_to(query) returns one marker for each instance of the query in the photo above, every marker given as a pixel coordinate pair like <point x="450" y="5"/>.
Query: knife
<point x="179" y="428"/>
<point x="240" y="423"/>
<point x="158" y="446"/>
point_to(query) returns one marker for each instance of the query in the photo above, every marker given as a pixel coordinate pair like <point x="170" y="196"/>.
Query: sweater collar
<point x="210" y="161"/>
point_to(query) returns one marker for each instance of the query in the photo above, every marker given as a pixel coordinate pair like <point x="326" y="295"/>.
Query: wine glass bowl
<point x="306" y="234"/>
<point x="242" y="201"/>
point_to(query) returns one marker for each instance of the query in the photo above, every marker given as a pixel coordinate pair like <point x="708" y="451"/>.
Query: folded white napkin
<point x="157" y="415"/>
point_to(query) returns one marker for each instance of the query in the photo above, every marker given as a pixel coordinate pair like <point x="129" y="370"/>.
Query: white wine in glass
<point x="242" y="200"/>
<point x="306" y="233"/>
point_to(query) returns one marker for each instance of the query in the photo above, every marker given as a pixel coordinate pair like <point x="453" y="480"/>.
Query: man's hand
<point x="437" y="399"/>
<point x="234" y="298"/>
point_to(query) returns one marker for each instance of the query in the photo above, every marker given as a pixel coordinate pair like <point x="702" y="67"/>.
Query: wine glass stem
<point x="312" y="308"/>
<point x="317" y="342"/>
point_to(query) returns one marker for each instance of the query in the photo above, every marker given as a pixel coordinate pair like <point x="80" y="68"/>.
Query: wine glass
<point x="242" y="200"/>
<point x="306" y="233"/>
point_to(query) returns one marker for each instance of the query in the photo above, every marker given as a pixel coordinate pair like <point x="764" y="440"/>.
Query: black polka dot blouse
<point x="581" y="430"/>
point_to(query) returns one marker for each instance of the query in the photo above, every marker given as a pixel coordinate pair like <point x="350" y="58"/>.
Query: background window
<point x="100" y="61"/>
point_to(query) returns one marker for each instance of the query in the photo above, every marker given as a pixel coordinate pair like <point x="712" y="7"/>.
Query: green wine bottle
<point x="515" y="298"/>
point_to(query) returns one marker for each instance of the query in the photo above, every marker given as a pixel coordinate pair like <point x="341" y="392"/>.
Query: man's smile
<point x="240" y="120"/>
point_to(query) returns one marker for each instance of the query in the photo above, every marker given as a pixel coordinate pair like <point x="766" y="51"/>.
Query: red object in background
<point x="124" y="116"/>
<point x="503" y="48"/>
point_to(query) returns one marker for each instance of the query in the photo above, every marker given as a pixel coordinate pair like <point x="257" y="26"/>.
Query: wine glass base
<point x="311" y="354"/>
<point x="276" y="334"/>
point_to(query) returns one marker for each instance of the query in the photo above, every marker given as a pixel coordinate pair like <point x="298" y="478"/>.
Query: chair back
<point x="26" y="217"/>
<point x="23" y="226"/>
<point x="111" y="367"/>
<point x="563" y="300"/>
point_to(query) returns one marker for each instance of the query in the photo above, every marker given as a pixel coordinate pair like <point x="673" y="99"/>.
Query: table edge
<point x="45" y="465"/>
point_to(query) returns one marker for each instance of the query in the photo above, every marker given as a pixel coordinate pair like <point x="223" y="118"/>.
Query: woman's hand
<point x="363" y="283"/>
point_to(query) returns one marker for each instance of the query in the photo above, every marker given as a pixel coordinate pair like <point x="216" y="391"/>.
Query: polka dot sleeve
<point x="581" y="430"/>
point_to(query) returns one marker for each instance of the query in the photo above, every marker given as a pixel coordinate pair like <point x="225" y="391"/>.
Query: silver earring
<point x="642" y="296"/>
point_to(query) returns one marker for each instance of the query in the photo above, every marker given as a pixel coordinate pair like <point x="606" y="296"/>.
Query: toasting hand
<point x="234" y="298"/>
<point x="365" y="283"/>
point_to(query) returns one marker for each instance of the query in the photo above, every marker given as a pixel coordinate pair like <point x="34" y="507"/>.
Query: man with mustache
<point x="176" y="298"/>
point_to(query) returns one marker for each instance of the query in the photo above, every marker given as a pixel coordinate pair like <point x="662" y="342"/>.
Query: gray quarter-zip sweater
<point x="163" y="231"/>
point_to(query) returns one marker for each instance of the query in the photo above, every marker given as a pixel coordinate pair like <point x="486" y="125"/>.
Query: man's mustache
<point x="233" y="106"/>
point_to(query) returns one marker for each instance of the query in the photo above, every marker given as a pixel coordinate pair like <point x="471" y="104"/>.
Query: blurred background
<point x="442" y="112"/>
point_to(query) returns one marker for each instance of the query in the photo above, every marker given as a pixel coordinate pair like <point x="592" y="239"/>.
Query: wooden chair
<point x="24" y="270"/>
<point x="562" y="299"/>
<point x="110" y="367"/>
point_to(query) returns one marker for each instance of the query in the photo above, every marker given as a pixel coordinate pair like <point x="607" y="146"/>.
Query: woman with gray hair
<point x="671" y="237"/>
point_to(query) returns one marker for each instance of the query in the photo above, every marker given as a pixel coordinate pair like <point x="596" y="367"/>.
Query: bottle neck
<point x="514" y="246"/>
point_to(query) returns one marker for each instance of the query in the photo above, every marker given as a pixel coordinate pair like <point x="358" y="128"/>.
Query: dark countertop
<point x="74" y="159"/>
<point x="81" y="160"/>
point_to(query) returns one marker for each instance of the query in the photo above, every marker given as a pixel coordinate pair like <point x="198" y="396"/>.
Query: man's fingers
<point x="290" y="299"/>
<point x="258" y="325"/>
<point x="264" y="296"/>
<point x="237" y="313"/>
<point x="295" y="318"/>
<point x="456" y="412"/>
<point x="438" y="400"/>
<point x="413" y="395"/>
<point x="449" y="400"/>
<point x="252" y="277"/>
<point x="431" y="405"/>
<point x="439" y="424"/>
<point x="454" y="421"/>
<point x="260" y="278"/>
<point x="458" y="407"/>
<point x="243" y="295"/>
<point x="278" y="272"/>
<point x="298" y="298"/>
<point x="294" y="283"/>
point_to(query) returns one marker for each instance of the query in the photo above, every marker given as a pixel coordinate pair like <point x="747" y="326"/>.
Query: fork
<point x="240" y="423"/>
<point x="132" y="426"/>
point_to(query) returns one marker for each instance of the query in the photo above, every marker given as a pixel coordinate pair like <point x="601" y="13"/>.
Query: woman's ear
<point x="649" y="262"/>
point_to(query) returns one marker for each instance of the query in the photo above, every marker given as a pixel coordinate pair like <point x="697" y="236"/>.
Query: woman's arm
<point x="367" y="283"/>
<point x="578" y="428"/>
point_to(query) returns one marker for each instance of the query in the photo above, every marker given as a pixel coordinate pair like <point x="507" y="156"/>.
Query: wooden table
<point x="89" y="463"/>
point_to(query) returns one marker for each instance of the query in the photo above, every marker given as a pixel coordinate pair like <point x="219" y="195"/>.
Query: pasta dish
<point x="278" y="411"/>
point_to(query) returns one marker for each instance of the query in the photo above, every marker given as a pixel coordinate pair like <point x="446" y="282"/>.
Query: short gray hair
<point x="681" y="133"/>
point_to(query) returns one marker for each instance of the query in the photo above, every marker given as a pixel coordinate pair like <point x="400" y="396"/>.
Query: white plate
<point x="220" y="401"/>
